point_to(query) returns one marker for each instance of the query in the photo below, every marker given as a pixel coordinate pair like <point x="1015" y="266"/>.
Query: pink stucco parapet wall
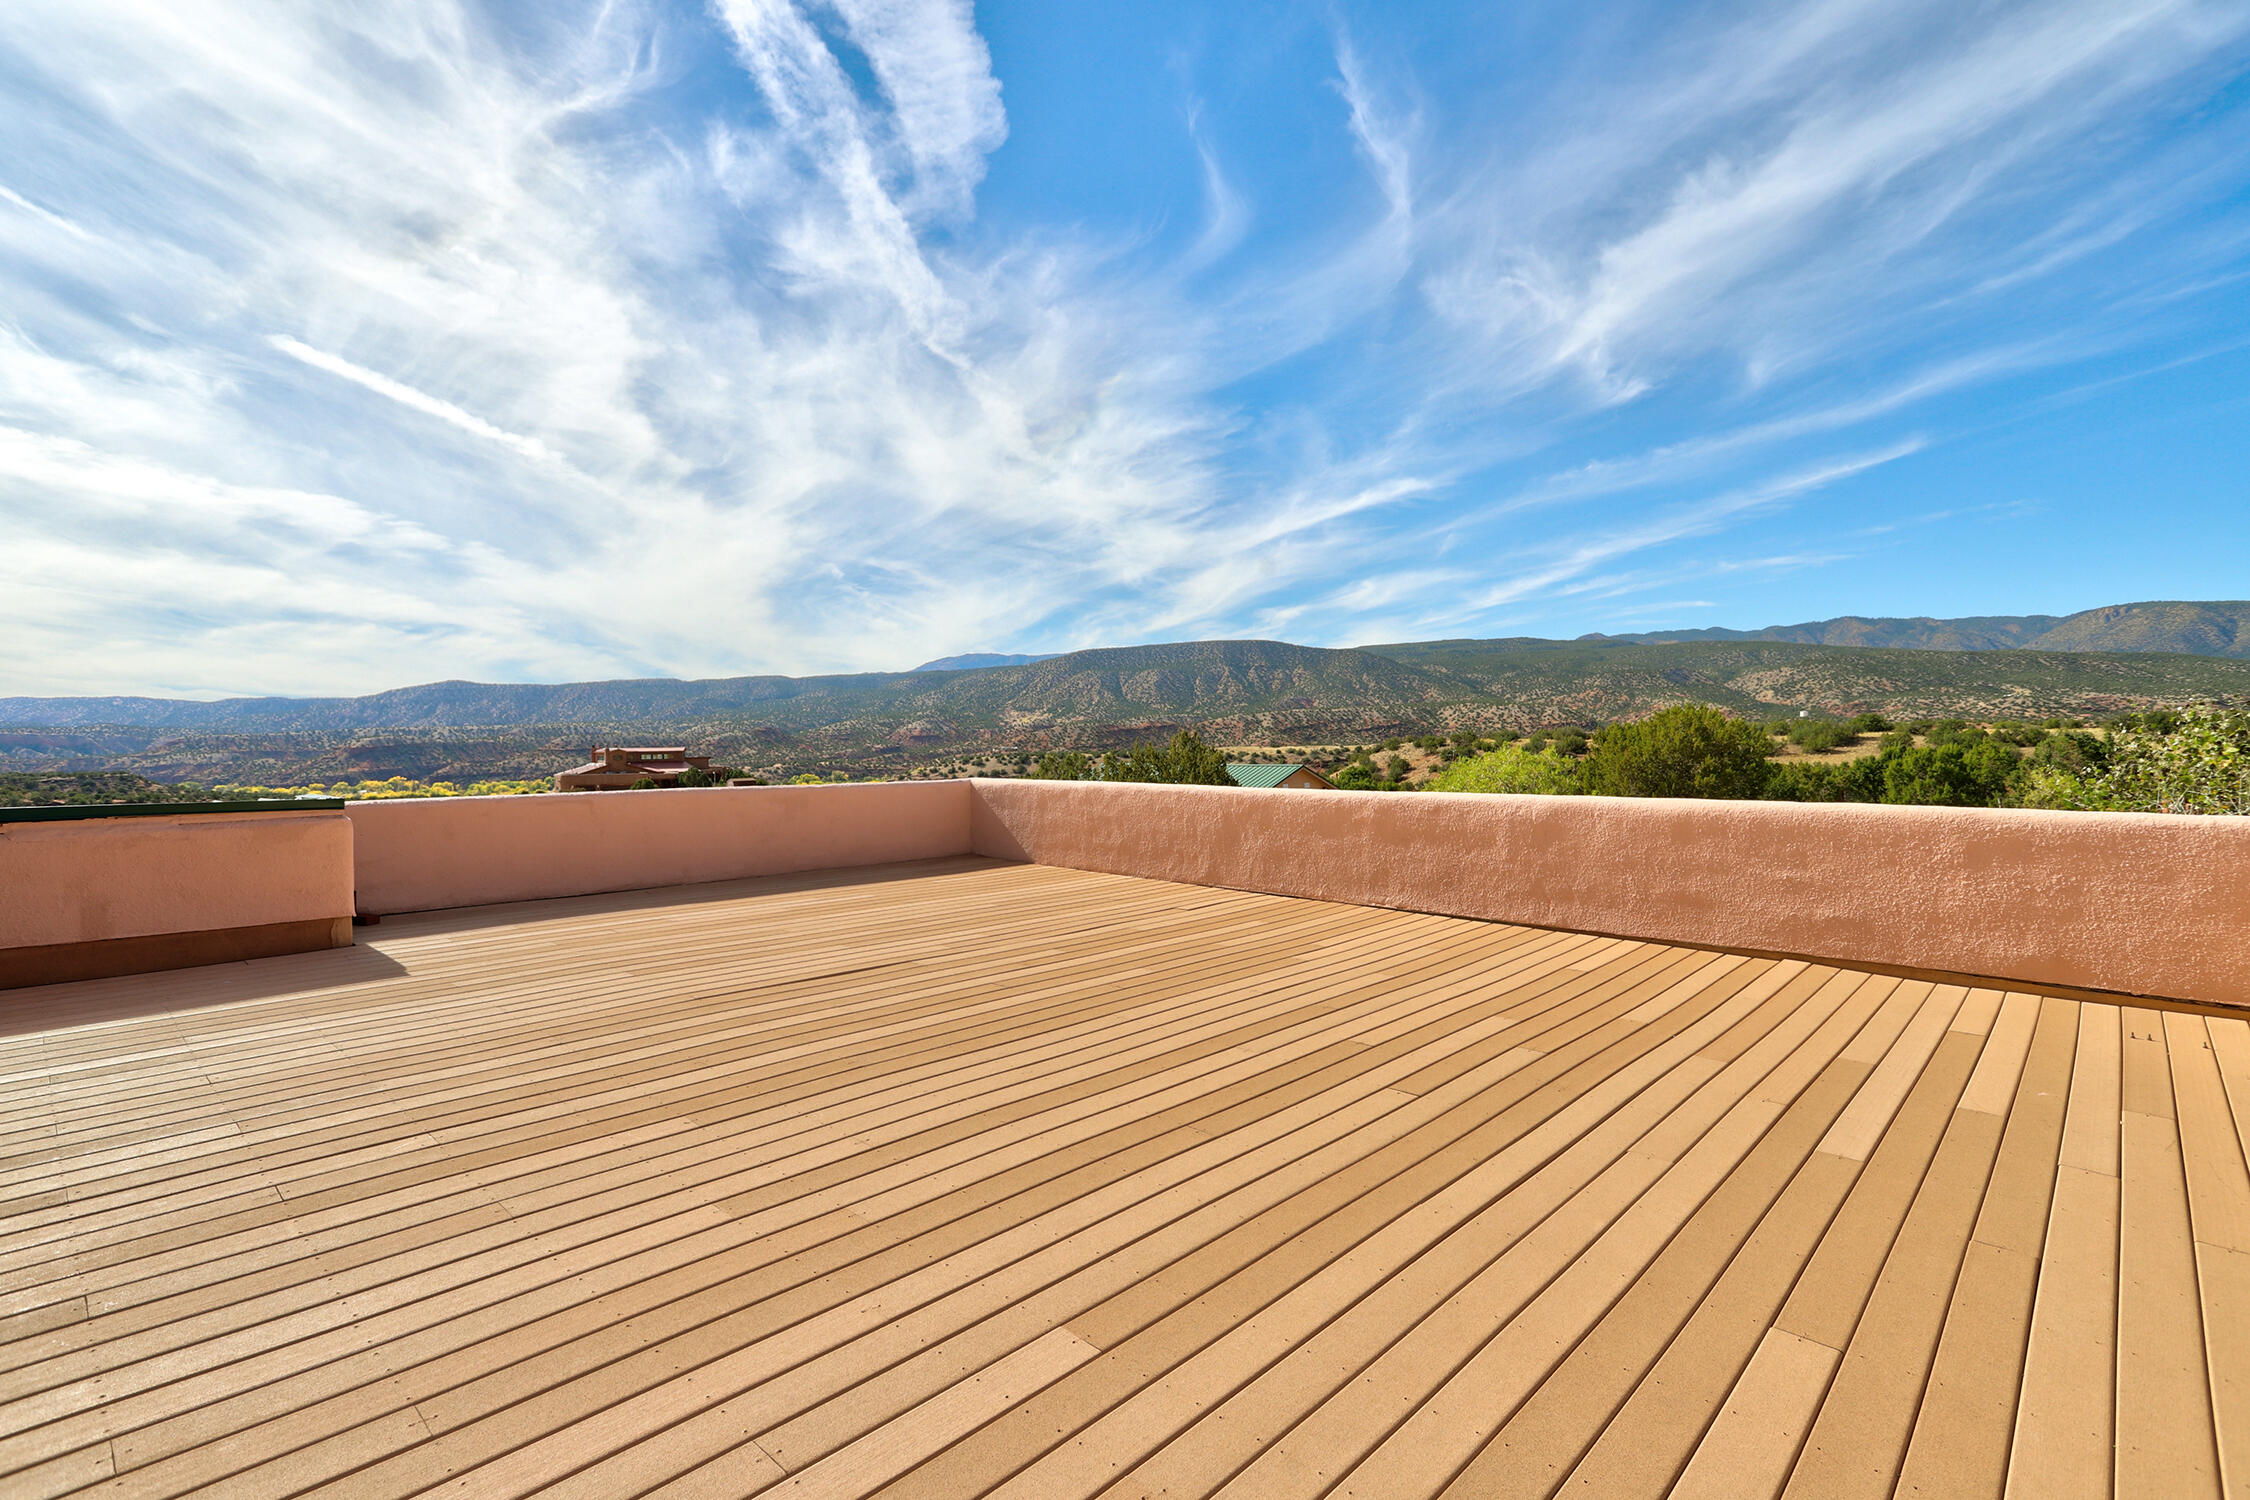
<point x="2134" y="904"/>
<point x="419" y="854"/>
<point x="108" y="878"/>
<point x="2141" y="904"/>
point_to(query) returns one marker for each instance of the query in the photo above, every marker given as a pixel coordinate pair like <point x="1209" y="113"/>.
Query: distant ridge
<point x="975" y="659"/>
<point x="2093" y="663"/>
<point x="1199" y="678"/>
<point x="1234" y="692"/>
<point x="1122" y="683"/>
<point x="2212" y="628"/>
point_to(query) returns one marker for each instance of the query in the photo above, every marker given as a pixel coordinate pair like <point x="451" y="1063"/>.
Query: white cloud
<point x="51" y="220"/>
<point x="1385" y="140"/>
<point x="1574" y="560"/>
<point x="407" y="396"/>
<point x="1226" y="213"/>
<point x="346" y="347"/>
<point x="1779" y="191"/>
<point x="937" y="77"/>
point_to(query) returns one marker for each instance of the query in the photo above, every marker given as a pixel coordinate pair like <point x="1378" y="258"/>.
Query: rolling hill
<point x="1595" y="681"/>
<point x="1198" y="677"/>
<point x="871" y="721"/>
<point x="1266" y="692"/>
<point x="975" y="659"/>
<point x="2213" y="628"/>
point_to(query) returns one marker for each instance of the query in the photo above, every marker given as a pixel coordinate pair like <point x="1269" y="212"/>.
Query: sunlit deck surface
<point x="974" y="1178"/>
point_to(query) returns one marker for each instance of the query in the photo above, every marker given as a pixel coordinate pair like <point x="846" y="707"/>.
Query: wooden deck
<point x="992" y="1179"/>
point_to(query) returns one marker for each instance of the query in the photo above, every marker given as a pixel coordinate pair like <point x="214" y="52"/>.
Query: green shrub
<point x="1690" y="750"/>
<point x="2052" y="787"/>
<point x="2070" y="751"/>
<point x="1509" y="769"/>
<point x="1868" y="724"/>
<point x="95" y="788"/>
<point x="1954" y="732"/>
<point x="1963" y="771"/>
<point x="1063" y="765"/>
<point x="1819" y="736"/>
<point x="2194" y="761"/>
<point x="1186" y="761"/>
<point x="1834" y="781"/>
<point x="1954" y="774"/>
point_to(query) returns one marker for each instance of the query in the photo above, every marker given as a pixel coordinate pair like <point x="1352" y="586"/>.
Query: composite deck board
<point x="977" y="1178"/>
<point x="861" y="1123"/>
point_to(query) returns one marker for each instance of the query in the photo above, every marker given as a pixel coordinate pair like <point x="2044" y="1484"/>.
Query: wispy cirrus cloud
<point x="1790" y="172"/>
<point x="407" y="396"/>
<point x="344" y="348"/>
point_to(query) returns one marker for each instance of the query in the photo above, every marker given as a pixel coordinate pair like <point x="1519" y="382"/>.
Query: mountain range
<point x="975" y="659"/>
<point x="1267" y="692"/>
<point x="2215" y="628"/>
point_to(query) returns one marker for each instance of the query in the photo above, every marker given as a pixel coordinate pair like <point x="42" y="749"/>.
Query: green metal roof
<point x="1265" y="775"/>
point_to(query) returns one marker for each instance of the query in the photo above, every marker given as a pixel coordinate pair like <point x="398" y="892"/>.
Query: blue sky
<point x="347" y="347"/>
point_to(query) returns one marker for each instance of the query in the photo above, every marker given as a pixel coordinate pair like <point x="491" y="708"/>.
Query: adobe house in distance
<point x="617" y="768"/>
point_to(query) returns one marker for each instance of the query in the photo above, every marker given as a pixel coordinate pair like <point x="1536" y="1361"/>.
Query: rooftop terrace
<point x="967" y="1177"/>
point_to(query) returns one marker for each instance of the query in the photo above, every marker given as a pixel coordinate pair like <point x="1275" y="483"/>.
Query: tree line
<point x="2195" y="760"/>
<point x="1185" y="761"/>
<point x="2192" y="760"/>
